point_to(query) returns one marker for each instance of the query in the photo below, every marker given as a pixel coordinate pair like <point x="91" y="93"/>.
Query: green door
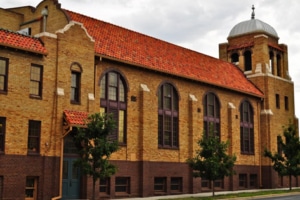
<point x="71" y="179"/>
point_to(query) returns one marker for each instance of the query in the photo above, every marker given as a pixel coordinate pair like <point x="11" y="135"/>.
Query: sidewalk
<point x="209" y="194"/>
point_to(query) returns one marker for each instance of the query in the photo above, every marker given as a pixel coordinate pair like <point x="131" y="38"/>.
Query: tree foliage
<point x="286" y="161"/>
<point x="211" y="161"/>
<point x="94" y="147"/>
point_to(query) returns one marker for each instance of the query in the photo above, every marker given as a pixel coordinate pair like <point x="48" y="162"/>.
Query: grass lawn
<point x="241" y="194"/>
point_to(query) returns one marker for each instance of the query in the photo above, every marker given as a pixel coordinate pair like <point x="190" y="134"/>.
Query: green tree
<point x="211" y="161"/>
<point x="95" y="148"/>
<point x="286" y="160"/>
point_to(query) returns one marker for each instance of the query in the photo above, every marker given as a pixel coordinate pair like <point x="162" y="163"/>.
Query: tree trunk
<point x="290" y="181"/>
<point x="213" y="187"/>
<point x="93" y="195"/>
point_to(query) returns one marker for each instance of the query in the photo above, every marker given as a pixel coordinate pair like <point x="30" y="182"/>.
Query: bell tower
<point x="253" y="46"/>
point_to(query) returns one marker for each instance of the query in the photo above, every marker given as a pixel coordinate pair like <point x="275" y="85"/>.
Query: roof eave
<point x="24" y="49"/>
<point x="185" y="77"/>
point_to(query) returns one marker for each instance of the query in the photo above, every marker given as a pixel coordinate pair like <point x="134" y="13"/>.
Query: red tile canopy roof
<point x="125" y="45"/>
<point x="75" y="118"/>
<point x="22" y="42"/>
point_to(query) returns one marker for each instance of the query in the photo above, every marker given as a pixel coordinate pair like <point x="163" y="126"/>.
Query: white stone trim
<point x="144" y="88"/>
<point x="72" y="23"/>
<point x="47" y="34"/>
<point x="193" y="97"/>
<point x="266" y="112"/>
<point x="60" y="92"/>
<point x="91" y="96"/>
<point x="231" y="105"/>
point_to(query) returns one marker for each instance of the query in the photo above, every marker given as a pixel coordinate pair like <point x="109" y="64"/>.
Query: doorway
<point x="71" y="180"/>
<point x="70" y="174"/>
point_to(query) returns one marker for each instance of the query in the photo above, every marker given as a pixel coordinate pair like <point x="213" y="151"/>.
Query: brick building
<point x="58" y="66"/>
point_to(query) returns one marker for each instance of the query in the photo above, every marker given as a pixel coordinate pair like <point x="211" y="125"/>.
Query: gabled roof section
<point x="21" y="42"/>
<point x="75" y="118"/>
<point x="125" y="45"/>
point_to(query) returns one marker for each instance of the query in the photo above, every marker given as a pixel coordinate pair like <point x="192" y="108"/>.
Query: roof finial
<point x="253" y="14"/>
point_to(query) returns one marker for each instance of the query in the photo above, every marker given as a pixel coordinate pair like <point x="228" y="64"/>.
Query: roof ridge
<point x="139" y="33"/>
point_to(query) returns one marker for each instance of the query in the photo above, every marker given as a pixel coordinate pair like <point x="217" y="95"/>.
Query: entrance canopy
<point x="74" y="118"/>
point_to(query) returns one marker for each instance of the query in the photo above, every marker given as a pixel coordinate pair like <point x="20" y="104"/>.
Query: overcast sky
<point x="199" y="25"/>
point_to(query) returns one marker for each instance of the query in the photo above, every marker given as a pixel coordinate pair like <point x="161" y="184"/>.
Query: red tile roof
<point x="119" y="43"/>
<point x="22" y="42"/>
<point x="276" y="46"/>
<point x="75" y="118"/>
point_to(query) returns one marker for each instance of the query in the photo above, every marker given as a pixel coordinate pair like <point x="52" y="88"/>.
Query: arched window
<point x="76" y="71"/>
<point x="234" y="58"/>
<point x="246" y="128"/>
<point x="278" y="65"/>
<point x="211" y="115"/>
<point x="113" y="100"/>
<point x="271" y="62"/>
<point x="248" y="60"/>
<point x="168" y="116"/>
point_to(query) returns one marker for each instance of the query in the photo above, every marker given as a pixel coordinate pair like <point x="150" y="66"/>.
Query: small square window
<point x="122" y="185"/>
<point x="104" y="186"/>
<point x="205" y="183"/>
<point x="160" y="184"/>
<point x="31" y="188"/>
<point x="218" y="183"/>
<point x="243" y="180"/>
<point x="176" y="184"/>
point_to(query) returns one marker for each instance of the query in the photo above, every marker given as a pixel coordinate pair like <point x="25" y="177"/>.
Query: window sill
<point x="75" y="102"/>
<point x="31" y="153"/>
<point x="35" y="97"/>
<point x="168" y="147"/>
<point x="247" y="153"/>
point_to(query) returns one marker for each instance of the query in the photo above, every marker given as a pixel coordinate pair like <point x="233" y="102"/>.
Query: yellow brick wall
<point x="10" y="20"/>
<point x="143" y="144"/>
<point x="18" y="107"/>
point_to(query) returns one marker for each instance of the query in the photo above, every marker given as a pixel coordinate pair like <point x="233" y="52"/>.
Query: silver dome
<point x="251" y="26"/>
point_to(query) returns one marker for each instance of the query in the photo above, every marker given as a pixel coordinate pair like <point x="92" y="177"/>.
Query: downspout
<point x="61" y="163"/>
<point x="259" y="142"/>
<point x="56" y="108"/>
